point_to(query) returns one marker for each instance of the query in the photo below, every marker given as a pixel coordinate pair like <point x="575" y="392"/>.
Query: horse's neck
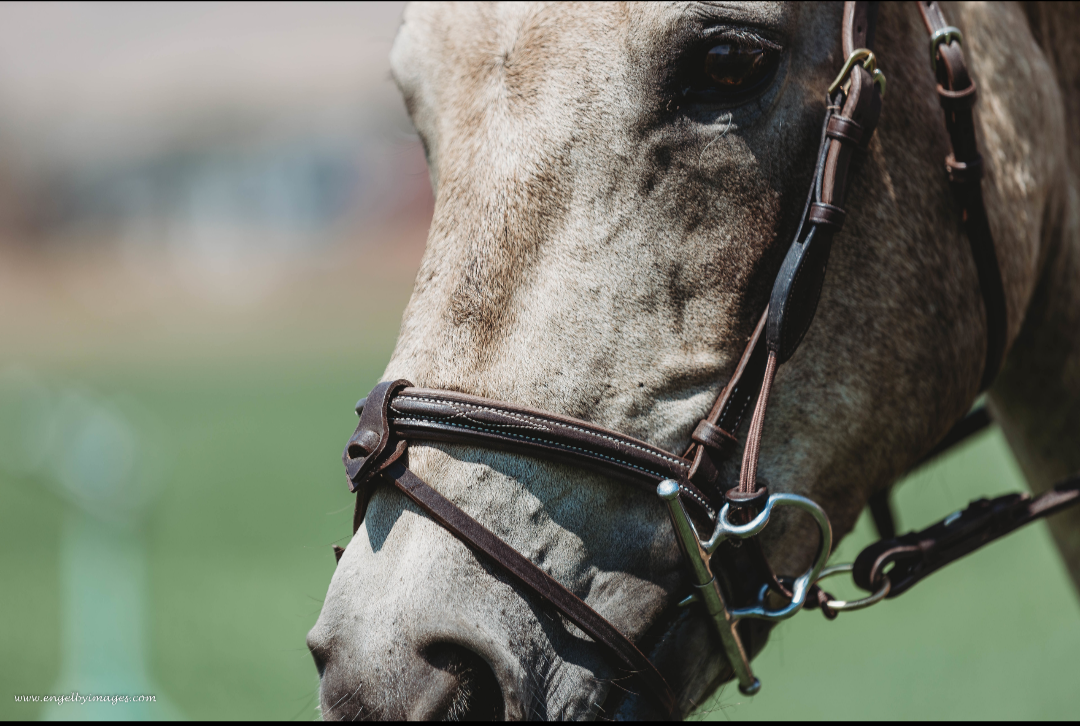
<point x="1037" y="397"/>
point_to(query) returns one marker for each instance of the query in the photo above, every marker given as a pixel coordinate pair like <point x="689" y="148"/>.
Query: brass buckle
<point x="945" y="35"/>
<point x="869" y="63"/>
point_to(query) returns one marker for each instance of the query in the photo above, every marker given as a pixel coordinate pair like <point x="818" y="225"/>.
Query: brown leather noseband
<point x="395" y="413"/>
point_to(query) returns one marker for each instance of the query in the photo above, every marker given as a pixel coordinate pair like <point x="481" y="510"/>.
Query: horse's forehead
<point x="480" y="72"/>
<point x="461" y="51"/>
<point x="464" y="24"/>
<point x="563" y="181"/>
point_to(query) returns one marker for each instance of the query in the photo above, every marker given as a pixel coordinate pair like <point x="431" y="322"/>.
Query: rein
<point x="731" y="578"/>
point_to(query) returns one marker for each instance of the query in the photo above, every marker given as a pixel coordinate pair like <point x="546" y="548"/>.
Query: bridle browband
<point x="730" y="576"/>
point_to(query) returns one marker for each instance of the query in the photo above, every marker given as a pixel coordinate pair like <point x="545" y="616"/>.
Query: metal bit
<point x="708" y="591"/>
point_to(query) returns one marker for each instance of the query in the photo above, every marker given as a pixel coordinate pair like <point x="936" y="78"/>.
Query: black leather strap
<point x="957" y="93"/>
<point x="798" y="284"/>
<point x="915" y="555"/>
<point x="420" y="414"/>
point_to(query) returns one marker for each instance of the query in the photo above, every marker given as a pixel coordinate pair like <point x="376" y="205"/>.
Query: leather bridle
<point x="731" y="578"/>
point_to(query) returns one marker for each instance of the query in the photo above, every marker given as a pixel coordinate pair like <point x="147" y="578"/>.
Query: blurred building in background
<point x="214" y="137"/>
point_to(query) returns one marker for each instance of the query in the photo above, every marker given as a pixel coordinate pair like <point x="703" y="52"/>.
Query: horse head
<point x="616" y="187"/>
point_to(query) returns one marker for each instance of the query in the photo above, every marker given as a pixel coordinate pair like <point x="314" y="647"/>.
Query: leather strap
<point x="398" y="413"/>
<point x="859" y="26"/>
<point x="795" y="293"/>
<point x="734" y="400"/>
<point x="846" y="130"/>
<point x="798" y="285"/>
<point x="715" y="437"/>
<point x="727" y="414"/>
<point x="828" y="215"/>
<point x="957" y="92"/>
<point x="535" y="580"/>
<point x="422" y="413"/>
<point x="370" y="447"/>
<point x="915" y="555"/>
<point x="847" y="127"/>
<point x="371" y="440"/>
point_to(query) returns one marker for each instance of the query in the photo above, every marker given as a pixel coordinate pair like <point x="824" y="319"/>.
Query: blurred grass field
<point x="238" y="546"/>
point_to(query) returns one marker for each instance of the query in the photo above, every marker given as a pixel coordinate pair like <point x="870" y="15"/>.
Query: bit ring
<point x="801" y="586"/>
<point x="847" y="605"/>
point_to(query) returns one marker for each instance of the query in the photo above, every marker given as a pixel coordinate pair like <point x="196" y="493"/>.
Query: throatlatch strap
<point x="549" y="590"/>
<point x="957" y="93"/>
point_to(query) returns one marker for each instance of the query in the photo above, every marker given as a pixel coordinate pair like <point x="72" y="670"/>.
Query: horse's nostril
<point x="320" y="662"/>
<point x="318" y="652"/>
<point x="476" y="695"/>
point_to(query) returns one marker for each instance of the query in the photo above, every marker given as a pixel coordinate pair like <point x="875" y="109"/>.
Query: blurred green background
<point x="210" y="217"/>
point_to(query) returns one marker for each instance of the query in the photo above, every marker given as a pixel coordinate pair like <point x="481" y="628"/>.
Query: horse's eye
<point x="732" y="70"/>
<point x="738" y="68"/>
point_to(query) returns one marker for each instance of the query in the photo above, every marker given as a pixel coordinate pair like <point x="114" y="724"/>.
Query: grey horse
<point x="604" y="240"/>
